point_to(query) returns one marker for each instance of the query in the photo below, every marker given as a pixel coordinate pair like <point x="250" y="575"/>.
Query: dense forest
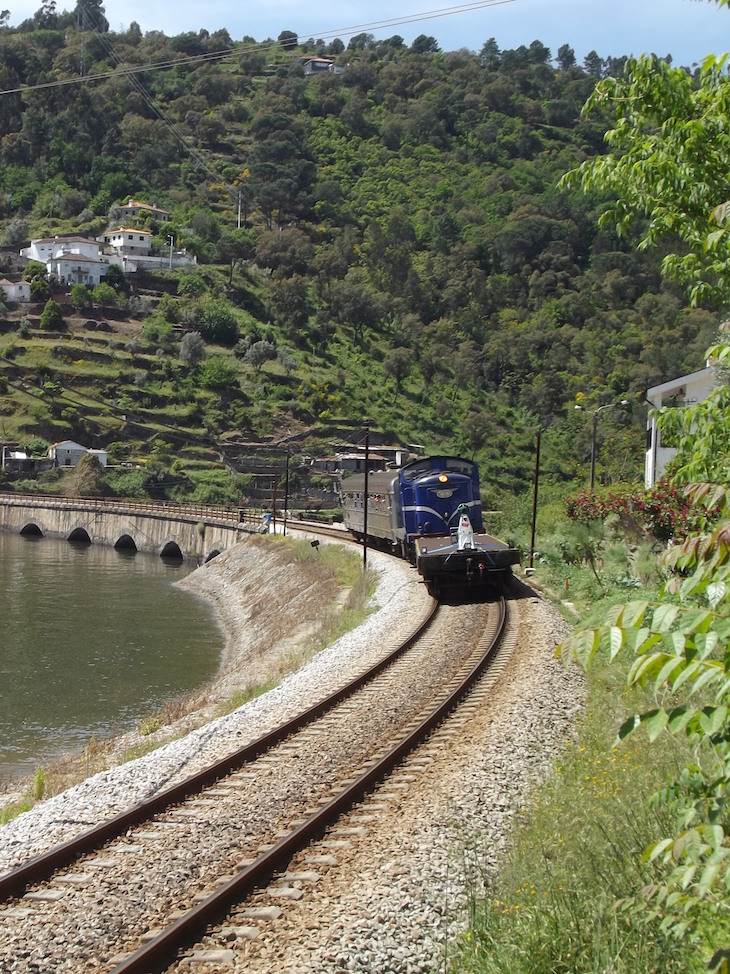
<point x="383" y="242"/>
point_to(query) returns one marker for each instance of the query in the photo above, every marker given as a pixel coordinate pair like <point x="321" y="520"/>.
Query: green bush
<point x="52" y="316"/>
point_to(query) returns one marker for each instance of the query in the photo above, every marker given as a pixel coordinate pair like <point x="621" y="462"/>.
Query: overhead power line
<point x="263" y="46"/>
<point x="129" y="74"/>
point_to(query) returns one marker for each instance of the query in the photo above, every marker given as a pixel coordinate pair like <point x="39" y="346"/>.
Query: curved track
<point x="42" y="867"/>
<point x="162" y="951"/>
<point x="169" y="880"/>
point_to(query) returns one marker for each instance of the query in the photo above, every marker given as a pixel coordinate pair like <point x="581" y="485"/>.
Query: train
<point x="429" y="511"/>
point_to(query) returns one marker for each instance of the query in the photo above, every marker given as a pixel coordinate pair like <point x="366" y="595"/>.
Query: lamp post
<point x="609" y="405"/>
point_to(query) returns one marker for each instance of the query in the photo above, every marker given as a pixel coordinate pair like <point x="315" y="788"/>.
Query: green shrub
<point x="52" y="316"/>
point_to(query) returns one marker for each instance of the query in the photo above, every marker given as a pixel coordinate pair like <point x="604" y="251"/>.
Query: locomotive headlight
<point x="443" y="479"/>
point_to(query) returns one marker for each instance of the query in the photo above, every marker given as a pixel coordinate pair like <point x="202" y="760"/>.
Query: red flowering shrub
<point x="663" y="512"/>
<point x="593" y="506"/>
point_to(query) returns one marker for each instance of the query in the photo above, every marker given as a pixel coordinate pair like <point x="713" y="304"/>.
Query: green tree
<point x="288" y="40"/>
<point x="192" y="348"/>
<point x="669" y="143"/>
<point x="425" y="45"/>
<point x="91" y="14"/>
<point x="289" y="305"/>
<point x="490" y="54"/>
<point x="52" y="316"/>
<point x="217" y="322"/>
<point x="191" y="285"/>
<point x="116" y="278"/>
<point x="566" y="57"/>
<point x="218" y="374"/>
<point x="397" y="365"/>
<point x="40" y="287"/>
<point x="16" y="233"/>
<point x="81" y="297"/>
<point x="234" y="248"/>
<point x="259" y="353"/>
<point x="104" y="296"/>
<point x="355" y="302"/>
<point x="670" y="133"/>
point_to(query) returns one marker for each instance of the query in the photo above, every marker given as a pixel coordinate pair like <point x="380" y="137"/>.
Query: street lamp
<point x="608" y="405"/>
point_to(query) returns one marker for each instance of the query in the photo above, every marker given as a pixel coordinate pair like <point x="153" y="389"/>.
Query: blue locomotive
<point x="429" y="511"/>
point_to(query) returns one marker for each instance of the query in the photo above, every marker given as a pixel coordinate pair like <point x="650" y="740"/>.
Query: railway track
<point x="178" y="868"/>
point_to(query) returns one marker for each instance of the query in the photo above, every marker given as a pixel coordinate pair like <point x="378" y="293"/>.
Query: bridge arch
<point x="79" y="536"/>
<point x="125" y="542"/>
<point x="32" y="530"/>
<point x="172" y="551"/>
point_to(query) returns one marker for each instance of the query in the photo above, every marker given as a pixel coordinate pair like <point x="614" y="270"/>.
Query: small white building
<point x="128" y="241"/>
<point x="12" y="453"/>
<point x="684" y="391"/>
<point x="100" y="456"/>
<point x="16" y="292"/>
<point x="67" y="453"/>
<point x="321" y="65"/>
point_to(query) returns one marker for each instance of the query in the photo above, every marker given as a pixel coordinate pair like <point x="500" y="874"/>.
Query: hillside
<point x="403" y="257"/>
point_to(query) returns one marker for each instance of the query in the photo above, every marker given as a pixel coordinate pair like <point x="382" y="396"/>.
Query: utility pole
<point x="609" y="405"/>
<point x="286" y="489"/>
<point x="80" y="26"/>
<point x="534" y="496"/>
<point x="365" y="509"/>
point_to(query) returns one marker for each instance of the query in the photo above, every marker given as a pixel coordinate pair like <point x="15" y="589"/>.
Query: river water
<point x="91" y="640"/>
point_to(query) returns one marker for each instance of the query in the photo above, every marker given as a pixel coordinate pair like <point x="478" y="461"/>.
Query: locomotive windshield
<point x="421" y="468"/>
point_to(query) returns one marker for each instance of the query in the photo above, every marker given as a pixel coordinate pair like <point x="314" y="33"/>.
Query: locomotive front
<point x="434" y="490"/>
<point x="442" y="513"/>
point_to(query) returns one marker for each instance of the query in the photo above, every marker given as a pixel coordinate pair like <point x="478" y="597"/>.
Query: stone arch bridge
<point x="169" y="530"/>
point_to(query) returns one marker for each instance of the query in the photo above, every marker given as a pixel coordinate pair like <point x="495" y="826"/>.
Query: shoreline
<point x="399" y="600"/>
<point x="269" y="631"/>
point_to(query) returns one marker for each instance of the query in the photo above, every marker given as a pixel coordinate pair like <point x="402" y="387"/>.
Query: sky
<point x="688" y="30"/>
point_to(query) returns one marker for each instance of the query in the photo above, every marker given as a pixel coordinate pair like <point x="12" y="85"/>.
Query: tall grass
<point x="558" y="903"/>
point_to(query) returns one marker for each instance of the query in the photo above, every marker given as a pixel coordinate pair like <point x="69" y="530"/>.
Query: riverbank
<point x="269" y="607"/>
<point x="274" y="612"/>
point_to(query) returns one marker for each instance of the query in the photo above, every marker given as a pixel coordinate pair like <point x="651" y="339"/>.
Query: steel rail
<point x="157" y="955"/>
<point x="42" y="867"/>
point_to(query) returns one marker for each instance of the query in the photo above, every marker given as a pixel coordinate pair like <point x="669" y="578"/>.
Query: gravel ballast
<point x="396" y="903"/>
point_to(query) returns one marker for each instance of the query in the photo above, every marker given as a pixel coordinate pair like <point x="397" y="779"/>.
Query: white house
<point x="44" y="248"/>
<point x="128" y="241"/>
<point x="684" y="391"/>
<point x="71" y="260"/>
<point x="321" y="65"/>
<point x="67" y="453"/>
<point x="133" y="208"/>
<point x="73" y="268"/>
<point x="15" y="291"/>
